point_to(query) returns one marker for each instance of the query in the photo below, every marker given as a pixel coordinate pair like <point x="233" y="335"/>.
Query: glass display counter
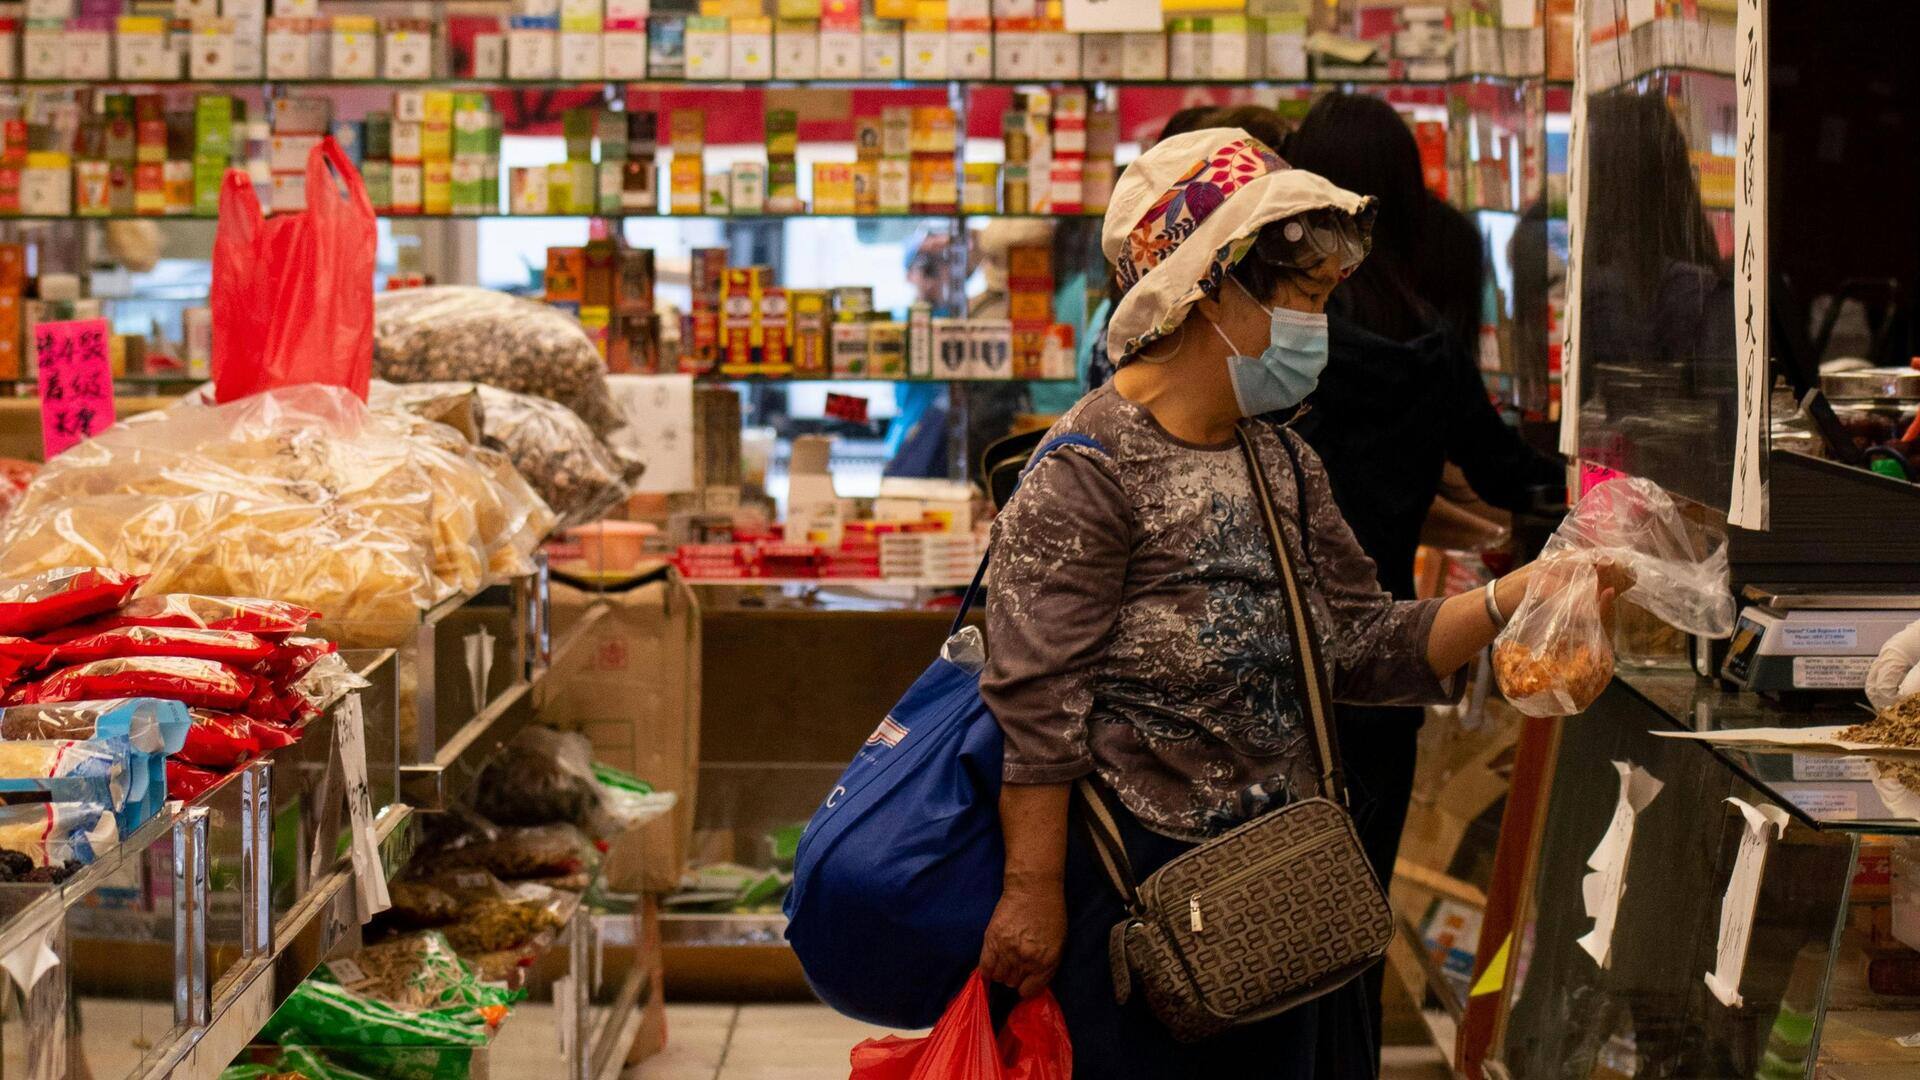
<point x="1828" y="987"/>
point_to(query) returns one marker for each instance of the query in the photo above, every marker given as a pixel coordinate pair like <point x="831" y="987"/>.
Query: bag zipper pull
<point x="1194" y="921"/>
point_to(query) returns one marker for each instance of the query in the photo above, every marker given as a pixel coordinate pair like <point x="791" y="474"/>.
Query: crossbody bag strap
<point x="1104" y="831"/>
<point x="1309" y="666"/>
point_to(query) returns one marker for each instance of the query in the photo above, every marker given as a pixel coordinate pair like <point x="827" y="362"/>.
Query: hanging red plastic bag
<point x="962" y="1046"/>
<point x="292" y="294"/>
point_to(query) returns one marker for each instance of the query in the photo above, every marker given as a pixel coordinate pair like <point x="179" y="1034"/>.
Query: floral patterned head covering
<point x="1187" y="210"/>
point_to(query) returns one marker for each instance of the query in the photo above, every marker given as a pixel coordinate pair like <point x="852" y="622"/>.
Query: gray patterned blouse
<point x="1136" y="627"/>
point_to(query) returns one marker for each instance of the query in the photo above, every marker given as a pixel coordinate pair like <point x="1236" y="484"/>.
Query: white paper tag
<point x="1602" y="889"/>
<point x="566" y="1014"/>
<point x="1797" y="638"/>
<point x="346" y="972"/>
<point x="1764" y="824"/>
<point x="1825" y="767"/>
<point x="350" y="743"/>
<point x="1827" y="805"/>
<point x="29" y="961"/>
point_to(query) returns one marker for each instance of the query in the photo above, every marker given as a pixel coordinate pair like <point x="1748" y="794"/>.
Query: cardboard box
<point x="632" y="686"/>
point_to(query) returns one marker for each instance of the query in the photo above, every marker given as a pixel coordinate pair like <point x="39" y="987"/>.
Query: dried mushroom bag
<point x="573" y="469"/>
<point x="516" y="854"/>
<point x="459" y="333"/>
<point x="1555" y="656"/>
<point x="297" y="494"/>
<point x="543" y="776"/>
<point x="1679" y="566"/>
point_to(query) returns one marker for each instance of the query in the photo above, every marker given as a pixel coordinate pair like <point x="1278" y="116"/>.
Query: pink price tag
<point x="76" y="381"/>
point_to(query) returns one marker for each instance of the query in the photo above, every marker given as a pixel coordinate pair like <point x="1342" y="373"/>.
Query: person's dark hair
<point x="1256" y="120"/>
<point x="1191" y="118"/>
<point x="1361" y="144"/>
<point x="1644" y="212"/>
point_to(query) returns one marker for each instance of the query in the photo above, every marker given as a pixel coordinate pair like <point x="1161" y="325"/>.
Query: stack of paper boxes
<point x="686" y="180"/>
<point x="783" y="171"/>
<point x="13" y="286"/>
<point x="298" y="126"/>
<point x="1029" y="307"/>
<point x="640" y="175"/>
<point x="700" y="352"/>
<point x="934" y="141"/>
<point x="756" y="334"/>
<point x="214" y="117"/>
<point x="633" y="336"/>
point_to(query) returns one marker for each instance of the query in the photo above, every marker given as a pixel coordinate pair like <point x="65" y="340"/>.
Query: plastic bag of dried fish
<point x="458" y="333"/>
<point x="418" y="973"/>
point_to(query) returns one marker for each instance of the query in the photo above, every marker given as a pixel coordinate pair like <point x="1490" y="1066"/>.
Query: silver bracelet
<point x="1493" y="606"/>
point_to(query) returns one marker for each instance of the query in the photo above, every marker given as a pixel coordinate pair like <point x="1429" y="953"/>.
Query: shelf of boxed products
<point x="937" y="215"/>
<point x="1335" y="81"/>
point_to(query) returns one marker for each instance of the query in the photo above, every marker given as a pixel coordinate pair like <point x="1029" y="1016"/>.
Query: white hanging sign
<point x="1602" y="889"/>
<point x="1763" y="825"/>
<point x="1748" y="507"/>
<point x="370" y="879"/>
<point x="1576" y="232"/>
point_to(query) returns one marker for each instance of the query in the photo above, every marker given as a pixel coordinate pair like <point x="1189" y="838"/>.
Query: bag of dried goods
<point x="537" y="852"/>
<point x="203" y="683"/>
<point x="294" y="657"/>
<point x="415" y="905"/>
<point x="235" y="647"/>
<point x="51" y="833"/>
<point x="573" y="469"/>
<point x="541" y="777"/>
<point x="497" y="925"/>
<point x="420" y="973"/>
<point x="327" y="680"/>
<point x="55" y="596"/>
<point x="76" y="770"/>
<point x="271" y="620"/>
<point x="150" y="725"/>
<point x="298" y="494"/>
<point x="458" y="333"/>
<point x="370" y="1035"/>
<point x="219" y="740"/>
<point x="189" y="782"/>
<point x="1555" y="656"/>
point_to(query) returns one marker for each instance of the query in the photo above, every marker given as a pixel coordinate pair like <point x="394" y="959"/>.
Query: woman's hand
<point x="1463" y="627"/>
<point x="1025" y="935"/>
<point x="1614" y="577"/>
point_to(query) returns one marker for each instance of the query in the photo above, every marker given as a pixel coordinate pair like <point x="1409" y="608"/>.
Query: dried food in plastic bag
<point x="542" y="776"/>
<point x="204" y="683"/>
<point x="493" y="925"/>
<point x="293" y="657"/>
<point x="630" y="801"/>
<point x="89" y="770"/>
<point x="1555" y="656"/>
<point x="298" y="493"/>
<point x="51" y="833"/>
<point x="17" y="867"/>
<point x="540" y="851"/>
<point x="218" y="740"/>
<point x="417" y="904"/>
<point x="458" y="333"/>
<point x="378" y="1038"/>
<point x="573" y="469"/>
<point x="272" y="620"/>
<point x="418" y="973"/>
<point x="236" y="647"/>
<point x="150" y="725"/>
<point x="456" y="828"/>
<point x="188" y="782"/>
<point x="58" y="596"/>
<point x="15" y="475"/>
<point x="21" y="656"/>
<point x="1679" y="566"/>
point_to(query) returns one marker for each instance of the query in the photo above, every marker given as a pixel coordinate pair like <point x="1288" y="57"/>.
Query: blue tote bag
<point x="899" y="870"/>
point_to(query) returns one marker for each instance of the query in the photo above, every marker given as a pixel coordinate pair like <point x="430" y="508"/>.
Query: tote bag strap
<point x="1104" y="832"/>
<point x="974" y="590"/>
<point x="1309" y="666"/>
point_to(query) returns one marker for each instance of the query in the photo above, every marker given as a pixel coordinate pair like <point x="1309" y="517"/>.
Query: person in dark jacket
<point x="1401" y="397"/>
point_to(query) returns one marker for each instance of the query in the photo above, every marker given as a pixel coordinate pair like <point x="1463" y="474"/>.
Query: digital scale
<point x="1814" y="639"/>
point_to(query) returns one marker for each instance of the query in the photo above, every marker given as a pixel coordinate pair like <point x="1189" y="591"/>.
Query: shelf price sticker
<point x="76" y="381"/>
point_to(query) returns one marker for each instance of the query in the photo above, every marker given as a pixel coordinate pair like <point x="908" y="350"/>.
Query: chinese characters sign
<point x="76" y="381"/>
<point x="1749" y="505"/>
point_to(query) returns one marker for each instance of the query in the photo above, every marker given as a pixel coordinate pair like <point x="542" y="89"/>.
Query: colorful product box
<point x="811" y="311"/>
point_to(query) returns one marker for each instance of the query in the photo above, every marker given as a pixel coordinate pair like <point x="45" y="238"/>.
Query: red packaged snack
<point x="236" y="647"/>
<point x="186" y="781"/>
<point x="33" y="605"/>
<point x="207" y="684"/>
<point x="19" y="654"/>
<point x="276" y="706"/>
<point x="292" y="657"/>
<point x="270" y="737"/>
<point x="270" y="619"/>
<point x="218" y="740"/>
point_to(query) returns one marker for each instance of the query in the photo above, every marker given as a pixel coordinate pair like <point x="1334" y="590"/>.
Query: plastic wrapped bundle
<point x="573" y="469"/>
<point x="299" y="494"/>
<point x="458" y="333"/>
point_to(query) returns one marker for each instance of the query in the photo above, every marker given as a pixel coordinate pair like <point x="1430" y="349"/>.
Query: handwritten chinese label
<point x="1576" y="231"/>
<point x="847" y="407"/>
<point x="1749" y="503"/>
<point x="76" y="381"/>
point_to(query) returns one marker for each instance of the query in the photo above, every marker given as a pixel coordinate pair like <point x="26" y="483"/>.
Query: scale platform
<point x="1814" y="640"/>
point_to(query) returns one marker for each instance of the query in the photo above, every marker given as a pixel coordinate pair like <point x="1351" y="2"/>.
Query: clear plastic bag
<point x="541" y="777"/>
<point x="298" y="494"/>
<point x="459" y="333"/>
<point x="1679" y="567"/>
<point x="1555" y="656"/>
<point x="571" y="467"/>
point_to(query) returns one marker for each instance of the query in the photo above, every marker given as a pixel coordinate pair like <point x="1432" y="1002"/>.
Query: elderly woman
<point x="1137" y="621"/>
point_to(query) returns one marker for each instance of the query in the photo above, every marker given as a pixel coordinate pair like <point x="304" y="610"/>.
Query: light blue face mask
<point x="1287" y="371"/>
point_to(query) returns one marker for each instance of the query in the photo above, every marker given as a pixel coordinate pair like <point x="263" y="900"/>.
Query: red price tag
<point x="847" y="407"/>
<point x="76" y="381"/>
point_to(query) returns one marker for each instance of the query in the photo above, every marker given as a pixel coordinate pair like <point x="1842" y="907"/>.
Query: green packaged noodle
<point x="417" y="973"/>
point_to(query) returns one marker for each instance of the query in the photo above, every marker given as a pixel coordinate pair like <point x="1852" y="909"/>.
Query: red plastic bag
<point x="235" y="647"/>
<point x="292" y="657"/>
<point x="34" y="604"/>
<point x="218" y="740"/>
<point x="206" y="684"/>
<point x="292" y="294"/>
<point x="269" y="619"/>
<point x="186" y="781"/>
<point x="963" y="1046"/>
